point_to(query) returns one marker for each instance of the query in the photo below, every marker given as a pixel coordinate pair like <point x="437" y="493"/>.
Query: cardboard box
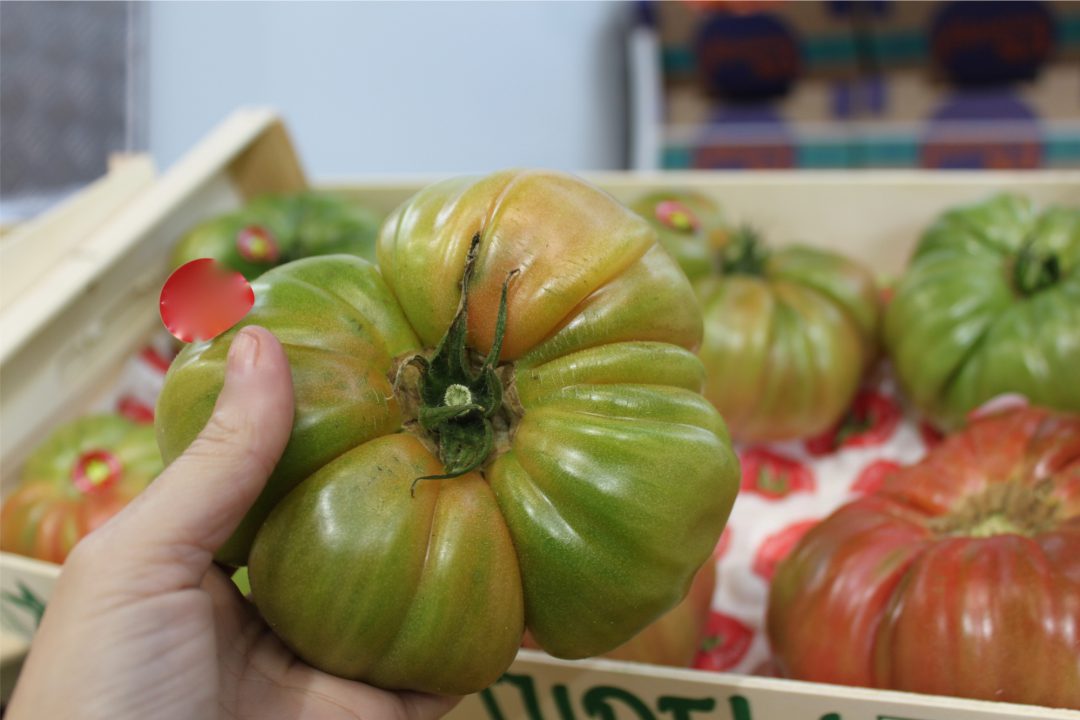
<point x="105" y="307"/>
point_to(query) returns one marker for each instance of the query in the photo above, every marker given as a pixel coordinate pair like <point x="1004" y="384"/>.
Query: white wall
<point x="398" y="87"/>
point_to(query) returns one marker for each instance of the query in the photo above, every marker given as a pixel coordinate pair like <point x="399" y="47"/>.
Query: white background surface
<point x="398" y="87"/>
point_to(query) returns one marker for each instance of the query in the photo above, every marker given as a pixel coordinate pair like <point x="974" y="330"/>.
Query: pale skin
<point x="143" y="625"/>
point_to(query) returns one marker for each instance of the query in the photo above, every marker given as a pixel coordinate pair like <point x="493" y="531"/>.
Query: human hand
<point x="142" y="624"/>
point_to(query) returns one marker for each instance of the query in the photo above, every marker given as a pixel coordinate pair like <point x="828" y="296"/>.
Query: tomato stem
<point x="1006" y="508"/>
<point x="744" y="254"/>
<point x="458" y="403"/>
<point x="1034" y="271"/>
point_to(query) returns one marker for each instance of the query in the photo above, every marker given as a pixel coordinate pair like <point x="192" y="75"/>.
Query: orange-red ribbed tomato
<point x="959" y="576"/>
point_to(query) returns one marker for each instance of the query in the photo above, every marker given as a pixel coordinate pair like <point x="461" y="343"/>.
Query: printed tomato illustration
<point x="959" y="576"/>
<point x="871" y="420"/>
<point x="930" y="435"/>
<point x="135" y="410"/>
<point x="724" y="544"/>
<point x="776" y="547"/>
<point x="155" y="358"/>
<point x="873" y="475"/>
<point x="499" y="427"/>
<point x="726" y="642"/>
<point x="774" y="475"/>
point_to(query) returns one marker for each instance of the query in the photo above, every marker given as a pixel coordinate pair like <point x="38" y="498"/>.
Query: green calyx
<point x="1005" y="508"/>
<point x="1034" y="271"/>
<point x="457" y="402"/>
<point x="744" y="254"/>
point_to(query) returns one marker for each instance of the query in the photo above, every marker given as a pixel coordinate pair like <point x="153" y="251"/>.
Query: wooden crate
<point x="64" y="338"/>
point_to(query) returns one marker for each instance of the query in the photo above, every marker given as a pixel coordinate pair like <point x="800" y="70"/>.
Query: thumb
<point x="169" y="533"/>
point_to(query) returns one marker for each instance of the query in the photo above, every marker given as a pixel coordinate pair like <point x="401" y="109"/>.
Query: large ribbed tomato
<point x="78" y="478"/>
<point x="532" y="452"/>
<point x="788" y="332"/>
<point x="989" y="305"/>
<point x="959" y="576"/>
<point x="675" y="637"/>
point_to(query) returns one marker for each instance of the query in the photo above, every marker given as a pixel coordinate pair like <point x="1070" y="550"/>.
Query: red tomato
<point x="726" y="642"/>
<point x="773" y="475"/>
<point x="871" y="420"/>
<point x="960" y="576"/>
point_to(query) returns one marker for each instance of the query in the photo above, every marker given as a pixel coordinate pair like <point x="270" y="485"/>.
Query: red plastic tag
<point x="201" y="300"/>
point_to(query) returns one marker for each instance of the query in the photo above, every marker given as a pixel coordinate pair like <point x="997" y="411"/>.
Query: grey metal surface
<point x="67" y="96"/>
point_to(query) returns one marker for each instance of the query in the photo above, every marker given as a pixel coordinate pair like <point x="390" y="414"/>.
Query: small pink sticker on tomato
<point x="201" y="300"/>
<point x="256" y="244"/>
<point x="95" y="471"/>
<point x="675" y="215"/>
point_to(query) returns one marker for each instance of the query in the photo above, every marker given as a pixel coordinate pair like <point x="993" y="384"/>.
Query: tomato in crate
<point x="501" y="427"/>
<point x="79" y="477"/>
<point x="789" y="332"/>
<point x="959" y="576"/>
<point x="990" y="304"/>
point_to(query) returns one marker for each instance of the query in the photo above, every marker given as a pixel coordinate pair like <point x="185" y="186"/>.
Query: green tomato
<point x="990" y="304"/>
<point x="275" y="229"/>
<point x="690" y="226"/>
<point x="499" y="428"/>
<point x="81" y="475"/>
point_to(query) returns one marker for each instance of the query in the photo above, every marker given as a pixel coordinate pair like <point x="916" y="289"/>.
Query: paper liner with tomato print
<point x="725" y="643"/>
<point x="871" y="420"/>
<point x="788" y="487"/>
<point x="959" y="576"/>
<point x="773" y="475"/>
<point x="78" y="478"/>
<point x="500" y="426"/>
